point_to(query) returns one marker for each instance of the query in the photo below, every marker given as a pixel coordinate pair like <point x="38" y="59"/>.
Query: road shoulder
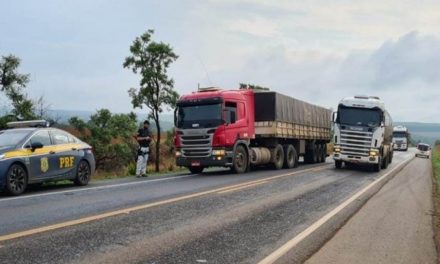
<point x="394" y="226"/>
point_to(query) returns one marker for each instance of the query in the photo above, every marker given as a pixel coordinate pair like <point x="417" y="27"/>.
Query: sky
<point x="318" y="50"/>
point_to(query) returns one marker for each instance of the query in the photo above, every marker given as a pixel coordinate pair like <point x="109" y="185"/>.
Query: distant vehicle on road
<point x="400" y="138"/>
<point x="363" y="131"/>
<point x="31" y="152"/>
<point x="248" y="127"/>
<point x="423" y="150"/>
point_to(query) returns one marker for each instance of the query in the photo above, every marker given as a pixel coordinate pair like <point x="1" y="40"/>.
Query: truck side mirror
<point x="175" y="117"/>
<point x="333" y="117"/>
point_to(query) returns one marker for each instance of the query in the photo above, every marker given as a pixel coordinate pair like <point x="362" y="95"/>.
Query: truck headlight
<point x="374" y="152"/>
<point x="218" y="152"/>
<point x="178" y="154"/>
<point x="337" y="149"/>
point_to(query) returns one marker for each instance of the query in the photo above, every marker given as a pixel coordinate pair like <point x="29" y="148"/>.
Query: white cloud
<point x="256" y="26"/>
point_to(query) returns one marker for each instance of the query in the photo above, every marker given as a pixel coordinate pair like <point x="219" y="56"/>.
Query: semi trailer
<point x="363" y="131"/>
<point x="245" y="128"/>
<point x="400" y="138"/>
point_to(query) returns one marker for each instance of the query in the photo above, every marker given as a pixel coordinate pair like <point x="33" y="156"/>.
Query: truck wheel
<point x="277" y="157"/>
<point x="315" y="154"/>
<point x="196" y="170"/>
<point x="290" y="157"/>
<point x="338" y="164"/>
<point x="324" y="153"/>
<point x="385" y="162"/>
<point x="377" y="167"/>
<point x="16" y="180"/>
<point x="241" y="161"/>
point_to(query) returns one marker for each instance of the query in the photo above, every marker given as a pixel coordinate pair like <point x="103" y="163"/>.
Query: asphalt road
<point x="211" y="218"/>
<point x="395" y="226"/>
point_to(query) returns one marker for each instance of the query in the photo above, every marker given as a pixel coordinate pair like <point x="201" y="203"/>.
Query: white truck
<point x="363" y="131"/>
<point x="400" y="138"/>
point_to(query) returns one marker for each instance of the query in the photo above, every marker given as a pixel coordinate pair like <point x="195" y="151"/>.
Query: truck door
<point x="236" y="125"/>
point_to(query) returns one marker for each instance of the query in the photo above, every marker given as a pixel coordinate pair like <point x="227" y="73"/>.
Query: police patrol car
<point x="31" y="152"/>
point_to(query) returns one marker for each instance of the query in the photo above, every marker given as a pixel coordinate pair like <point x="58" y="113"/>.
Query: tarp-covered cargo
<point x="281" y="115"/>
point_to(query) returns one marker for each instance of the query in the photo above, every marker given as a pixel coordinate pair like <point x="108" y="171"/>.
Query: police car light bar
<point x="30" y="123"/>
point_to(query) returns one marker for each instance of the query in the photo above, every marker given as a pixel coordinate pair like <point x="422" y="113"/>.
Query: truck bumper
<point x="356" y="159"/>
<point x="400" y="147"/>
<point x="211" y="161"/>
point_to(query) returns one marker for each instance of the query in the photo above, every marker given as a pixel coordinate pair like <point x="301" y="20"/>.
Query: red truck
<point x="246" y="127"/>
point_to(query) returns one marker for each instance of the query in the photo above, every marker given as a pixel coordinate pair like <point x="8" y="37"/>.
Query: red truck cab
<point x="210" y="124"/>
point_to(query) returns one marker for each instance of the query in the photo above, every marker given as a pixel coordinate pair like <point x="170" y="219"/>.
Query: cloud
<point x="403" y="72"/>
<point x="257" y="26"/>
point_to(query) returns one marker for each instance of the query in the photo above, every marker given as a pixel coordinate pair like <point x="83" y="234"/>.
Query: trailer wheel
<point x="310" y="155"/>
<point x="277" y="157"/>
<point x="323" y="152"/>
<point x="315" y="154"/>
<point x="290" y="157"/>
<point x="240" y="160"/>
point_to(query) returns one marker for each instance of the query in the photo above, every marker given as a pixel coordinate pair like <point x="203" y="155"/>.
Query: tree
<point x="110" y="135"/>
<point x="13" y="84"/>
<point x="151" y="61"/>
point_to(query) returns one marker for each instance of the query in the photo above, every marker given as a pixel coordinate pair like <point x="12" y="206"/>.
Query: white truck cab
<point x="363" y="132"/>
<point x="400" y="138"/>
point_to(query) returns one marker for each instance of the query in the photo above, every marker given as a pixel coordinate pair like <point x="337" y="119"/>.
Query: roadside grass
<point x="436" y="195"/>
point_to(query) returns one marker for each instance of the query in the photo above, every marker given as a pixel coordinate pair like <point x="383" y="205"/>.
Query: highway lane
<point x="228" y="225"/>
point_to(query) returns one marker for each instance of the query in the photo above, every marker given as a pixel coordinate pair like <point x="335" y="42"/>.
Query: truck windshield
<point x="199" y="116"/>
<point x="359" y="116"/>
<point x="399" y="134"/>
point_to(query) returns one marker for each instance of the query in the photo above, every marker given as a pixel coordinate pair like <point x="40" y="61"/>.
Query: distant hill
<point x="422" y="132"/>
<point x="63" y="116"/>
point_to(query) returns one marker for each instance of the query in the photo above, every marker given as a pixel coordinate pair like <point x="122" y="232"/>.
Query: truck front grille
<point x="196" y="146"/>
<point x="356" y="143"/>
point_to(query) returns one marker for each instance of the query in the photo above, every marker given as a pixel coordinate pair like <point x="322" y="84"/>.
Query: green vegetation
<point x="13" y="85"/>
<point x="151" y="61"/>
<point x="111" y="136"/>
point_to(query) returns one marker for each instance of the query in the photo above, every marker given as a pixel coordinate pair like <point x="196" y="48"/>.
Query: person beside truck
<point x="143" y="138"/>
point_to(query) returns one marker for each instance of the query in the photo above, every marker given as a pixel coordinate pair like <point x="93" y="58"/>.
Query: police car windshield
<point x="10" y="138"/>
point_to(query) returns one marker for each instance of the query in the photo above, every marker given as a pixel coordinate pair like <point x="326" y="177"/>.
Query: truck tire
<point x="310" y="156"/>
<point x="385" y="161"/>
<point x="196" y="170"/>
<point x="315" y="154"/>
<point x="290" y="157"/>
<point x="321" y="154"/>
<point x="240" y="160"/>
<point x="338" y="164"/>
<point x="324" y="153"/>
<point x="378" y="166"/>
<point x="277" y="157"/>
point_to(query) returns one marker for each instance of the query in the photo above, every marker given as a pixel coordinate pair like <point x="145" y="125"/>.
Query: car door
<point x="67" y="154"/>
<point x="42" y="161"/>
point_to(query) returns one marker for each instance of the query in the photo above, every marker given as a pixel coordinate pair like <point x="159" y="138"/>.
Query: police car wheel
<point x="16" y="180"/>
<point x="83" y="173"/>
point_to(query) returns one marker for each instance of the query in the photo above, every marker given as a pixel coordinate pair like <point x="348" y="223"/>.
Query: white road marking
<point x="277" y="254"/>
<point x="93" y="188"/>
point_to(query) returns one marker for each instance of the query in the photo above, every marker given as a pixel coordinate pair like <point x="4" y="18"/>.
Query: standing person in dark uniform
<point x="143" y="137"/>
